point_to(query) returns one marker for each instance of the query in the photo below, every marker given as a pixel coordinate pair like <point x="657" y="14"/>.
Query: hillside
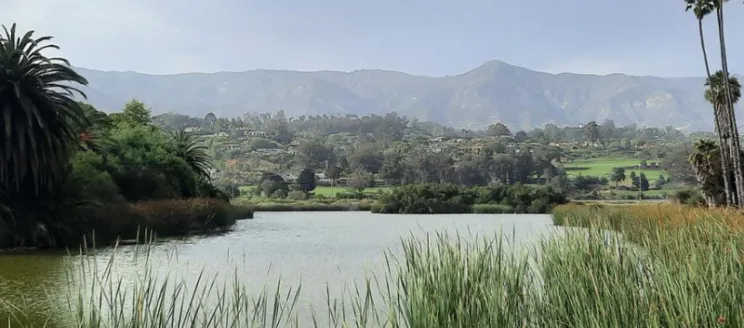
<point x="495" y="91"/>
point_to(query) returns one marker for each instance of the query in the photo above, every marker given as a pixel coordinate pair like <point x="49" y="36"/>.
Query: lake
<point x="333" y="249"/>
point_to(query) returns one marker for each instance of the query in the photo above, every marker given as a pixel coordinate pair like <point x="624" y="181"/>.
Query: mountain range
<point x="493" y="92"/>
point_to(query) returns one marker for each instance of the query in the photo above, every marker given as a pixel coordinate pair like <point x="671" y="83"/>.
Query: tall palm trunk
<point x="734" y="146"/>
<point x="727" y="165"/>
<point x="717" y="118"/>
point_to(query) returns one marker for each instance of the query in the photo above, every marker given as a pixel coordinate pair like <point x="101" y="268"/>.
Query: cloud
<point x="121" y="35"/>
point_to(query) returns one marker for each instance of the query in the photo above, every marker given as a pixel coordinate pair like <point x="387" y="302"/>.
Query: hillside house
<point x="218" y="134"/>
<point x="257" y="134"/>
<point x="476" y="148"/>
<point x="231" y="146"/>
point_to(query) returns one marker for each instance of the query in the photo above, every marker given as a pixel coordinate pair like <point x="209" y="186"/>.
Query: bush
<point x="492" y="209"/>
<point x="691" y="197"/>
<point x="184" y="216"/>
<point x="296" y="195"/>
<point x="444" y="198"/>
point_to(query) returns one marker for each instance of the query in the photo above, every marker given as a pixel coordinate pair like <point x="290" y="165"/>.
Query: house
<point x="191" y="129"/>
<point x="231" y="146"/>
<point x="258" y="134"/>
<point x="214" y="174"/>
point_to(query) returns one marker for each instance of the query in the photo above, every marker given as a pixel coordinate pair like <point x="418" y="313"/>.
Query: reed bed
<point x="673" y="275"/>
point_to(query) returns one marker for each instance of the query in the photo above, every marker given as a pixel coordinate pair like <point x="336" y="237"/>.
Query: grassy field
<point x="649" y="193"/>
<point x="602" y="167"/>
<point x="332" y="191"/>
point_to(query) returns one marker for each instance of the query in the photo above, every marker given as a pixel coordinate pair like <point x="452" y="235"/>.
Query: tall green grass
<point x="577" y="278"/>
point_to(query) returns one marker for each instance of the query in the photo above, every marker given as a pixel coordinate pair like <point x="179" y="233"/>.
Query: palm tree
<point x="38" y="115"/>
<point x="716" y="94"/>
<point x="701" y="8"/>
<point x="733" y="130"/>
<point x="189" y="149"/>
<point x="705" y="161"/>
<point x="92" y="135"/>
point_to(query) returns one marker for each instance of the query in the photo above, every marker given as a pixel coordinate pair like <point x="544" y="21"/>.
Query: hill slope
<point x="495" y="91"/>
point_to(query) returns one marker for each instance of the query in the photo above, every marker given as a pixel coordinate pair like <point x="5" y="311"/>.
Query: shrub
<point x="296" y="195"/>
<point x="444" y="198"/>
<point x="492" y="209"/>
<point x="183" y="216"/>
<point x="688" y="196"/>
<point x="242" y="212"/>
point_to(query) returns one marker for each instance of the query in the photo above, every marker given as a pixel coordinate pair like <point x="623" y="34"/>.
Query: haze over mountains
<point x="494" y="91"/>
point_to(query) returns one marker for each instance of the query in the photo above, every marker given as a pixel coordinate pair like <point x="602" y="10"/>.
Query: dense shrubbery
<point x="689" y="197"/>
<point x="139" y="165"/>
<point x="69" y="170"/>
<point x="446" y="198"/>
<point x="120" y="176"/>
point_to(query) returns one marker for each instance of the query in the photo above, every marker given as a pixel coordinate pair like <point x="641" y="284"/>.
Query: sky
<point x="433" y="38"/>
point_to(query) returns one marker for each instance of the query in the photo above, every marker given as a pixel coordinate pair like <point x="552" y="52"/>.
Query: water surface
<point x="333" y="248"/>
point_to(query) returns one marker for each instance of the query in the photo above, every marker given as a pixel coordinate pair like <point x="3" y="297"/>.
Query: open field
<point x="602" y="167"/>
<point x="649" y="193"/>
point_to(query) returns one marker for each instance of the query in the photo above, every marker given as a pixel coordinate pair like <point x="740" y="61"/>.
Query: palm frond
<point x="715" y="91"/>
<point x="38" y="115"/>
<point x="700" y="8"/>
<point x="190" y="150"/>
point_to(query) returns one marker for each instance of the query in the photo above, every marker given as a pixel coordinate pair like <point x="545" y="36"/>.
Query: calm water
<point x="337" y="248"/>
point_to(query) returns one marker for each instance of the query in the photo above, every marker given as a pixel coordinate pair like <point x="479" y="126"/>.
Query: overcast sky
<point x="434" y="37"/>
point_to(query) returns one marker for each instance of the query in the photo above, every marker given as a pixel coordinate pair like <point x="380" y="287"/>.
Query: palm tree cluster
<point x="722" y="91"/>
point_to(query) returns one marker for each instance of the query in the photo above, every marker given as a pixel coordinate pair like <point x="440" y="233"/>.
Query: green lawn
<point x="602" y="167"/>
<point x="650" y="193"/>
<point x="331" y="191"/>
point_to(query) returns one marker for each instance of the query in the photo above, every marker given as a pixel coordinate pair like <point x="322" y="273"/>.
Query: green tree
<point x="314" y="154"/>
<point x="591" y="132"/>
<point x="190" y="150"/>
<point x="39" y="119"/>
<point x="498" y="129"/>
<point x="633" y="179"/>
<point x="520" y="136"/>
<point x="274" y="188"/>
<point x="94" y="135"/>
<point x="643" y="183"/>
<point x="394" y="168"/>
<point x="135" y="113"/>
<point x="366" y="157"/>
<point x="360" y="179"/>
<point x="306" y="180"/>
<point x="660" y="182"/>
<point x="618" y="175"/>
<point x="210" y="119"/>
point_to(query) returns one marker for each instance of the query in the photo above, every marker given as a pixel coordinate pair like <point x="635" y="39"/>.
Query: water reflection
<point x="34" y="282"/>
<point x="320" y="249"/>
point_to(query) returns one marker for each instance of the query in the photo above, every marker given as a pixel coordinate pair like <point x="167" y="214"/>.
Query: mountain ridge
<point x="494" y="91"/>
